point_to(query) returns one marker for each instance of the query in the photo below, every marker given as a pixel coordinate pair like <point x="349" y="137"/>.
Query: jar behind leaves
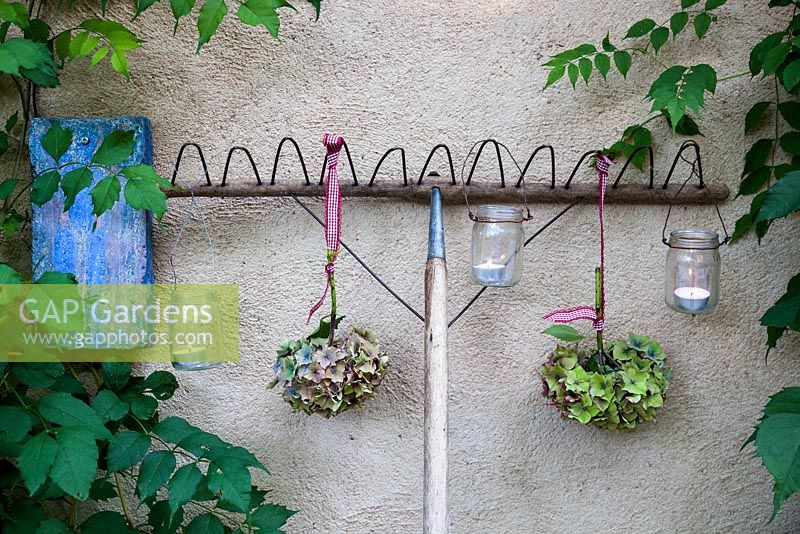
<point x="692" y="271"/>
<point x="497" y="241"/>
<point x="184" y="354"/>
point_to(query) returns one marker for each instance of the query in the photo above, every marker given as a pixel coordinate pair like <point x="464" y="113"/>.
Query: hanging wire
<point x="195" y="210"/>
<point x="696" y="171"/>
<point x="497" y="146"/>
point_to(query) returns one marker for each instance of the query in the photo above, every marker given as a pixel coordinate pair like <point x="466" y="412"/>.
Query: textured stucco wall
<point x="414" y="74"/>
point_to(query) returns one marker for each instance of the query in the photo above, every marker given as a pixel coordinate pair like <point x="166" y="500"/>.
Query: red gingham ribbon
<point x="333" y="212"/>
<point x="588" y="312"/>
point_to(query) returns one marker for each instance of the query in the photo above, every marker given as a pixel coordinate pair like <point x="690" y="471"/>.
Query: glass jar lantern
<point x="497" y="241"/>
<point x="194" y="354"/>
<point x="692" y="273"/>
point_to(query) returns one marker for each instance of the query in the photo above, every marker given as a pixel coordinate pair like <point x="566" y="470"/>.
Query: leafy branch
<point x="675" y="91"/>
<point x="77" y="446"/>
<point x="770" y="175"/>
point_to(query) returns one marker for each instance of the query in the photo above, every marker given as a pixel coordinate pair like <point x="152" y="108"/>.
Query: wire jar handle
<point x="497" y="144"/>
<point x="696" y="172"/>
<point x="195" y="211"/>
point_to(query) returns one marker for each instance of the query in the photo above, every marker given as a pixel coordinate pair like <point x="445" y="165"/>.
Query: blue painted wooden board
<point x="119" y="250"/>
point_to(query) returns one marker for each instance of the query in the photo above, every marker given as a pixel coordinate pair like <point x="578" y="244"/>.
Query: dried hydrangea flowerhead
<point x="628" y="390"/>
<point x="328" y="380"/>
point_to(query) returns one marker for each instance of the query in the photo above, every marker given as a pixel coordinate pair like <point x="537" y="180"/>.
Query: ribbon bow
<point x="594" y="314"/>
<point x="333" y="212"/>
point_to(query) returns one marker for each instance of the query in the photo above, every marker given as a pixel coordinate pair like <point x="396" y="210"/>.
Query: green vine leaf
<point x="679" y="88"/>
<point x="688" y="3"/>
<point x="270" y="517"/>
<point x="759" y="52"/>
<point x="106" y="522"/>
<point x="7" y="187"/>
<point x="564" y="333"/>
<point x="182" y="486"/>
<point x="790" y="111"/>
<point x="262" y="12"/>
<point x="145" y="195"/>
<point x="211" y="15"/>
<point x="127" y="449"/>
<point x="784" y="313"/>
<point x="754" y="182"/>
<point x="174" y="429"/>
<point x="702" y="22"/>
<point x="145" y="172"/>
<point x="105" y="194"/>
<point x="120" y="39"/>
<point x="15" y="13"/>
<point x="622" y="60"/>
<point x="746" y="221"/>
<point x="607" y="46"/>
<point x="790" y="143"/>
<point x="640" y="28"/>
<point x="155" y="471"/>
<point x="54" y="277"/>
<point x="757" y="156"/>
<point x="28" y="59"/>
<point x="56" y="141"/>
<point x="14" y="424"/>
<point x="686" y="126"/>
<point x="108" y="406"/>
<point x="142" y="406"/>
<point x="572" y="74"/>
<point x="785" y="316"/>
<point x="777" y="442"/>
<point x="116" y="374"/>
<point x="115" y="148"/>
<point x="585" y="67"/>
<point x="603" y="64"/>
<point x="678" y="22"/>
<point x="35" y="375"/>
<point x="782" y="198"/>
<point x="775" y="58"/>
<point x="73" y="183"/>
<point x="44" y="187"/>
<point x="142" y="6"/>
<point x="567" y="56"/>
<point x="232" y="480"/>
<point x="753" y="117"/>
<point x="65" y="410"/>
<point x="12" y="121"/>
<point x="180" y="8"/>
<point x="555" y="74"/>
<point x="35" y="460"/>
<point x="791" y="75"/>
<point x="76" y="461"/>
<point x="205" y="524"/>
<point x="714" y="4"/>
<point x="658" y="37"/>
<point x="162" y="384"/>
<point x="161" y="520"/>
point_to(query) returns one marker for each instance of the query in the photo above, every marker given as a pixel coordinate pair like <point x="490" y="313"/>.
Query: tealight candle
<point x="489" y="273"/>
<point x="692" y="300"/>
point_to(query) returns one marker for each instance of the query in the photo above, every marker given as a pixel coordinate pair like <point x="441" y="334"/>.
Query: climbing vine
<point x="770" y="171"/>
<point x="76" y="433"/>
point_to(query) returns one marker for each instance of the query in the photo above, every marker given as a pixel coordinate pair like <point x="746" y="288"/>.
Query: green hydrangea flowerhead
<point x="628" y="390"/>
<point x="328" y="380"/>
